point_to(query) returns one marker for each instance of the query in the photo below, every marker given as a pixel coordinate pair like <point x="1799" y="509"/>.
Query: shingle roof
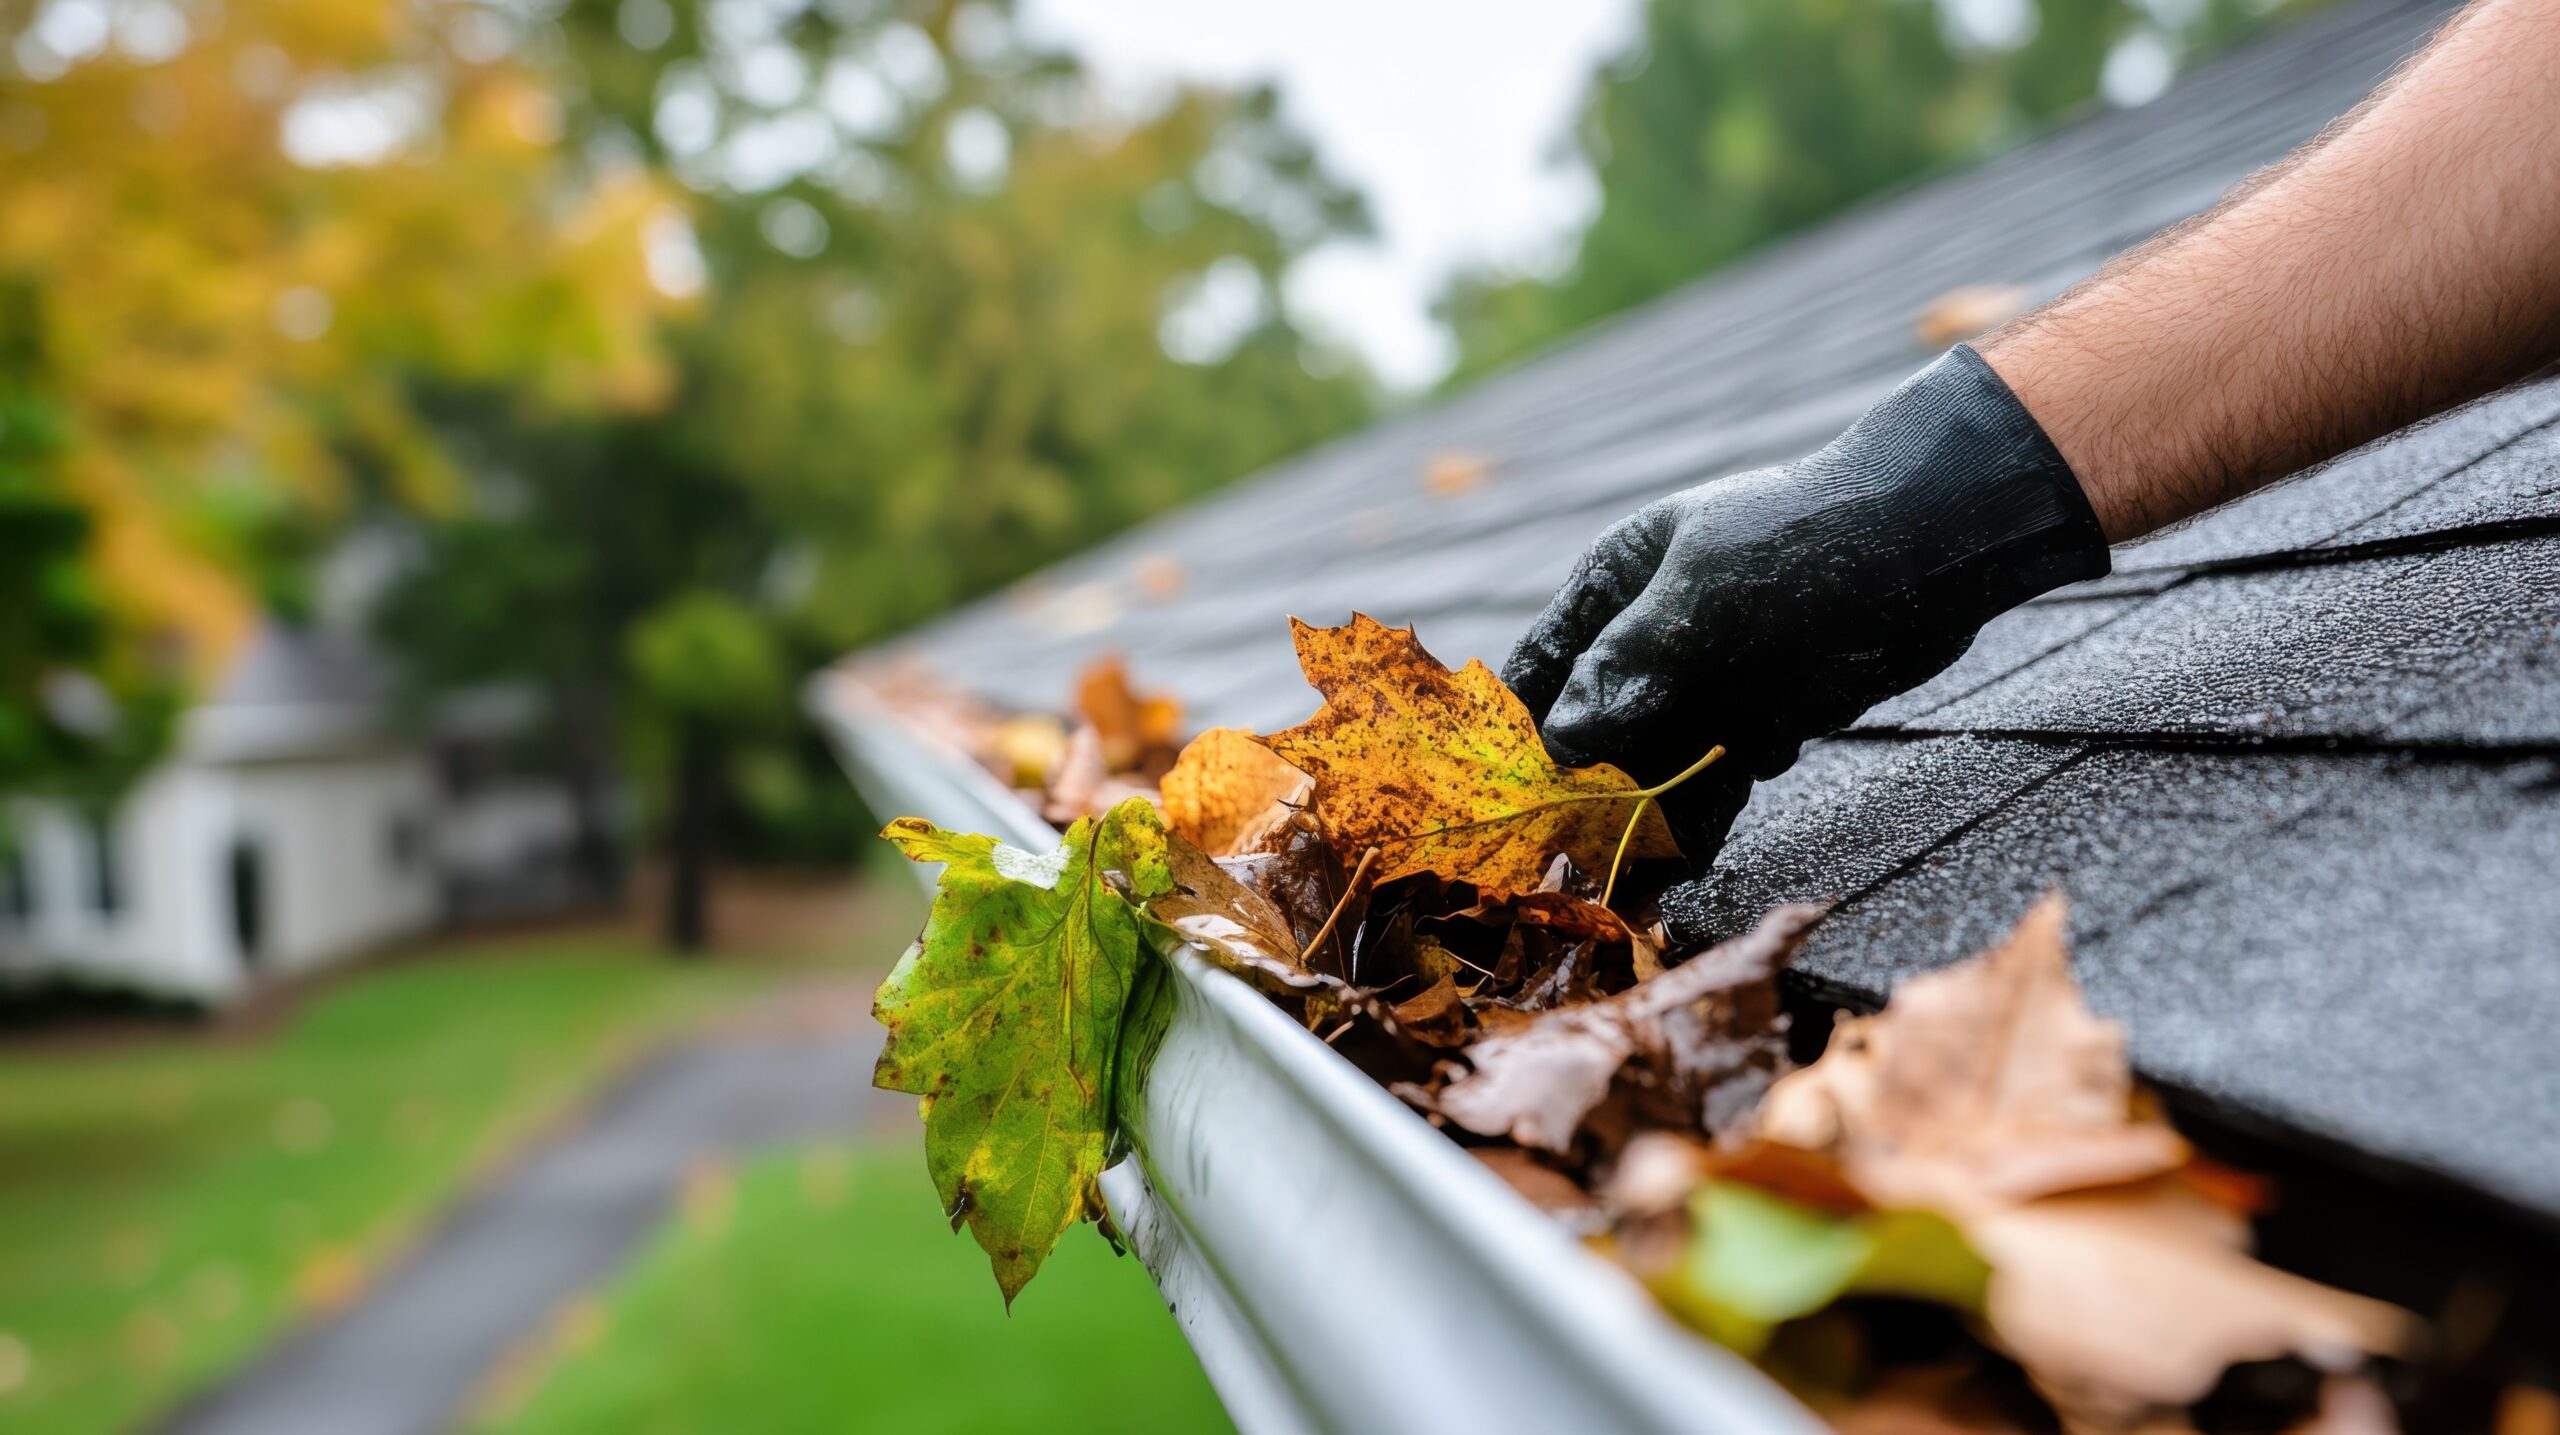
<point x="2297" y="763"/>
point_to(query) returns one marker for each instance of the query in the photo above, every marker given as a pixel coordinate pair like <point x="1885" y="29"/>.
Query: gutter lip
<point x="1248" y="1242"/>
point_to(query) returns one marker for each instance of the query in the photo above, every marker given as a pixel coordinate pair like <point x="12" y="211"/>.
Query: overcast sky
<point x="1448" y="114"/>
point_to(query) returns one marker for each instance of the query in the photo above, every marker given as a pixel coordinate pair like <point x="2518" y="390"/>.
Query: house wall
<point x="333" y="876"/>
<point x="328" y="830"/>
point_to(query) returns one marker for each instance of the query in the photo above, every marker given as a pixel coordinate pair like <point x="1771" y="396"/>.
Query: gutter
<point x="1337" y="1264"/>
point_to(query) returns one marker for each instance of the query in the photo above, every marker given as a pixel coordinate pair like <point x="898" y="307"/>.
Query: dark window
<point x="106" y="875"/>
<point x="407" y="842"/>
<point x="248" y="874"/>
<point x="17" y="894"/>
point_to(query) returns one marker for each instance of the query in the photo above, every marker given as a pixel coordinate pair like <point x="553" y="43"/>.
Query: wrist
<point x="1986" y="511"/>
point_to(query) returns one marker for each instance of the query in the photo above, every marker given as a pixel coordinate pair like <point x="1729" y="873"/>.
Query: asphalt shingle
<point x="2293" y="762"/>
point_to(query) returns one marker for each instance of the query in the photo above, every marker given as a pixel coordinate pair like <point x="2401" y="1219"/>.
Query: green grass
<point x="170" y="1202"/>
<point x="823" y="1292"/>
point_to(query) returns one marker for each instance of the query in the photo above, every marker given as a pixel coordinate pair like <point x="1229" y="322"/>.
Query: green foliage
<point x="80" y="706"/>
<point x="1732" y="122"/>
<point x="705" y="657"/>
<point x="1006" y="1018"/>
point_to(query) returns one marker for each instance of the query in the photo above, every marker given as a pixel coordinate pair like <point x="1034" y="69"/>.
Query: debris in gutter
<point x="1964" y="1216"/>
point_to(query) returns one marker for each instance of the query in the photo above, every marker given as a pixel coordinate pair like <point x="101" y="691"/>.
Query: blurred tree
<point x="958" y="317"/>
<point x="1731" y="122"/>
<point x="709" y="673"/>
<point x="78" y="708"/>
<point x="232" y="234"/>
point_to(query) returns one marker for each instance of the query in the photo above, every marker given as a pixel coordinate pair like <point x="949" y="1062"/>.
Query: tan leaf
<point x="1227" y="792"/>
<point x="1987" y="1081"/>
<point x="2124" y="1300"/>
<point x="1988" y="1092"/>
<point x="1455" y="473"/>
<point x="1968" y="313"/>
<point x="1443" y="772"/>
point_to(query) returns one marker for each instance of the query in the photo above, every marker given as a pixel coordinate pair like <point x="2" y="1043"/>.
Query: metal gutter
<point x="1338" y="1265"/>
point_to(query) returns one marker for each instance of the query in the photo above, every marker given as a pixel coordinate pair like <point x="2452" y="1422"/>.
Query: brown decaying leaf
<point x="1229" y="794"/>
<point x="1968" y="312"/>
<point x="1137" y="731"/>
<point x="1987" y="1092"/>
<point x="1543" y="1186"/>
<point x="1454" y="473"/>
<point x="1989" y="1081"/>
<point x="1536" y="1085"/>
<point x="2123" y="1301"/>
<point x="1443" y="771"/>
<point x="1083" y="784"/>
<point x="1242" y="929"/>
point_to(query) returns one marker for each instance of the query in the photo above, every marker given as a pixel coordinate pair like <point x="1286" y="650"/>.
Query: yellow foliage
<point x="208" y="308"/>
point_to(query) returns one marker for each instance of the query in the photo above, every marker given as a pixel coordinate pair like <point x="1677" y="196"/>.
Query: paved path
<point x="403" y="1359"/>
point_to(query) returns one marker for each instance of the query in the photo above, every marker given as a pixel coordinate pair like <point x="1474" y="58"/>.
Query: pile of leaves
<point x="1965" y="1215"/>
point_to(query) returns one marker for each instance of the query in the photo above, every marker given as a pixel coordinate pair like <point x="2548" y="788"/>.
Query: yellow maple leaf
<point x="1443" y="772"/>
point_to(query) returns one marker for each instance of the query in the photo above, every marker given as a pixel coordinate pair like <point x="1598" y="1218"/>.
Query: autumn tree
<point x="958" y="316"/>
<point x="234" y="238"/>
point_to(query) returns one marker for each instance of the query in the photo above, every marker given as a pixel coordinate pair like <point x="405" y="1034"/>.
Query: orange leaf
<point x="1227" y="789"/>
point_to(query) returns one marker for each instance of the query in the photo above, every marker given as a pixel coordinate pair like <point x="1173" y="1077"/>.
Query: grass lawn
<point x="169" y="1202"/>
<point x="823" y="1292"/>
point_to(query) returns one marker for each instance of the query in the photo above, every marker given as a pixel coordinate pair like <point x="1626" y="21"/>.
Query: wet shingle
<point x="2345" y="650"/>
<point x="2358" y="946"/>
<point x="2291" y="761"/>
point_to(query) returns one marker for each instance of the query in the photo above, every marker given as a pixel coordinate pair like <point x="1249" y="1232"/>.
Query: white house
<point x="286" y="827"/>
<point x="291" y="825"/>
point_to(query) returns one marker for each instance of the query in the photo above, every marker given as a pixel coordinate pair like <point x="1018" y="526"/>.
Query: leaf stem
<point x="1644" y="799"/>
<point x="1619" y="858"/>
<point x="1692" y="770"/>
<point x="1349" y="886"/>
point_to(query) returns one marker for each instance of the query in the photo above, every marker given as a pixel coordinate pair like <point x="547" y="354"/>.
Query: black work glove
<point x="1766" y="609"/>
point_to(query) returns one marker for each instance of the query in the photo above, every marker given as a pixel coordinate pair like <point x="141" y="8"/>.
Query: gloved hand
<point x="1766" y="609"/>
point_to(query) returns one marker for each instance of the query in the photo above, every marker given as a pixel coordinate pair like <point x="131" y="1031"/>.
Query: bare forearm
<point x="2403" y="263"/>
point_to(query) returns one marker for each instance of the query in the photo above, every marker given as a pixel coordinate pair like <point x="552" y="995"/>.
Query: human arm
<point x="2407" y="260"/>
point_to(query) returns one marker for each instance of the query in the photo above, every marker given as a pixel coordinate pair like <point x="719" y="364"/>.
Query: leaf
<point x="2121" y="1301"/>
<point x="1241" y="929"/>
<point x="1536" y="1085"/>
<point x="1006" y="1018"/>
<point x="1756" y="1260"/>
<point x="1988" y="1081"/>
<point x="1227" y="791"/>
<point x="1130" y="725"/>
<point x="1443" y="772"/>
<point x="1989" y="1093"/>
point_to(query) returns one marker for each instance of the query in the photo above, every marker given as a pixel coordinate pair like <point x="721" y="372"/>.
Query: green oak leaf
<point x="1005" y="1017"/>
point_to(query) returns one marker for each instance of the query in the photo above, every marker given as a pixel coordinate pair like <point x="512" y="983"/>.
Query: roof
<point x="2294" y="762"/>
<point x="291" y="693"/>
